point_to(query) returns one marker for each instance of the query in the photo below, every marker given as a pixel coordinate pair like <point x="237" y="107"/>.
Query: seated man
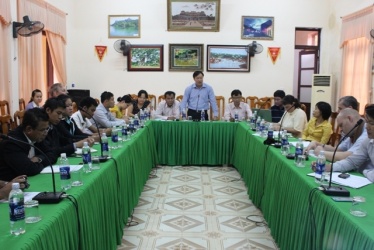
<point x="347" y="102"/>
<point x="55" y="140"/>
<point x="102" y="115"/>
<point x="346" y="120"/>
<point x="168" y="109"/>
<point x="6" y="187"/>
<point x="277" y="110"/>
<point x="18" y="158"/>
<point x="362" y="159"/>
<point x="237" y="106"/>
<point x="86" y="109"/>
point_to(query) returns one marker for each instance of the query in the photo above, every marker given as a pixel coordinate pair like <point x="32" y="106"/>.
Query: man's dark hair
<point x="87" y="102"/>
<point x="169" y="93"/>
<point x="196" y="73"/>
<point x="105" y="96"/>
<point x="63" y="98"/>
<point x="236" y="92"/>
<point x="33" y="116"/>
<point x="54" y="103"/>
<point x="279" y="93"/>
<point x="369" y="110"/>
<point x="142" y="91"/>
<point x="325" y="109"/>
<point x="349" y="101"/>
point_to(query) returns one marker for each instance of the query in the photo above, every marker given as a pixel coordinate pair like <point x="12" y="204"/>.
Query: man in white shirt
<point x="102" y="115"/>
<point x="237" y="106"/>
<point x="168" y="109"/>
<point x="86" y="110"/>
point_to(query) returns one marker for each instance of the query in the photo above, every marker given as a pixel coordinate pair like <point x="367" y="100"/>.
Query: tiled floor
<point x="196" y="208"/>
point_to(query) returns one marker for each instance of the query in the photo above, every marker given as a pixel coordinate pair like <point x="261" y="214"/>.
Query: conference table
<point x="275" y="185"/>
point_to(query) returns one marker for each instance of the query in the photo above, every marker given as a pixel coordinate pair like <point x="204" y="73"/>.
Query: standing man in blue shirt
<point x="199" y="96"/>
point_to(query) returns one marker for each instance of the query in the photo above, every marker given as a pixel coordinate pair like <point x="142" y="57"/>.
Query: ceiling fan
<point x="254" y="48"/>
<point x="27" y="28"/>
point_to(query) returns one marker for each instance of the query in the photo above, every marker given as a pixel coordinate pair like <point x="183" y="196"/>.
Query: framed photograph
<point x="257" y="28"/>
<point x="124" y="26"/>
<point x="146" y="58"/>
<point x="234" y="58"/>
<point x="193" y="15"/>
<point x="186" y="57"/>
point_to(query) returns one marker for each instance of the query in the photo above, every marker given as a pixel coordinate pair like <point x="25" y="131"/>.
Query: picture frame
<point x="228" y="58"/>
<point x="186" y="57"/>
<point x="146" y="57"/>
<point x="193" y="15"/>
<point x="257" y="28"/>
<point x="124" y="26"/>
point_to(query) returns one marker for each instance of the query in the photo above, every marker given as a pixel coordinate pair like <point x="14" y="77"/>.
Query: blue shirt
<point x="199" y="98"/>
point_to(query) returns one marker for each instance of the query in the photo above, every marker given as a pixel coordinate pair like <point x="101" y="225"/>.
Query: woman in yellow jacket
<point x="319" y="128"/>
<point x="123" y="103"/>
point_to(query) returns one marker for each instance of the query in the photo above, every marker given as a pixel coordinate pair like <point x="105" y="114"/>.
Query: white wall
<point x="87" y="23"/>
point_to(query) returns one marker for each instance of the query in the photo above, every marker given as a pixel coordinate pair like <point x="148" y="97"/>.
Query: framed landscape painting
<point x="124" y="26"/>
<point x="186" y="57"/>
<point x="193" y="15"/>
<point x="257" y="28"/>
<point x="234" y="58"/>
<point x="146" y="58"/>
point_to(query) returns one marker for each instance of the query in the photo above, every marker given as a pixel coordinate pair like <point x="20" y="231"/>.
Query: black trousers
<point x="196" y="115"/>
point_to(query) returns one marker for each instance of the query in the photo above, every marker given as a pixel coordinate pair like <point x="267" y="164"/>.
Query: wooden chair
<point x="264" y="102"/>
<point x="230" y="99"/>
<point x="160" y="98"/>
<point x="251" y="100"/>
<point x="335" y="136"/>
<point x="179" y="98"/>
<point x="134" y="96"/>
<point x="97" y="100"/>
<point x="5" y="123"/>
<point x="153" y="100"/>
<point x="22" y="104"/>
<point x="221" y="107"/>
<point x="303" y="107"/>
<point x="4" y="108"/>
<point x="75" y="107"/>
<point x="18" y="117"/>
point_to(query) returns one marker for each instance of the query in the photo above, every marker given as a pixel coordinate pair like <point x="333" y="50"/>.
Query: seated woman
<point x="294" y="118"/>
<point x="35" y="100"/>
<point x="123" y="103"/>
<point x="140" y="103"/>
<point x="318" y="128"/>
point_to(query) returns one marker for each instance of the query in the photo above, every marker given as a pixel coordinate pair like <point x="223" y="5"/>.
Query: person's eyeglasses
<point x="44" y="130"/>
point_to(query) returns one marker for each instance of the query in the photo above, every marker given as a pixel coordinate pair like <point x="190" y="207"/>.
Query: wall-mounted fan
<point x="254" y="48"/>
<point x="27" y="28"/>
<point x="122" y="46"/>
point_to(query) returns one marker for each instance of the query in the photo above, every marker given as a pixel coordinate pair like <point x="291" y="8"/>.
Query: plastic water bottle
<point x="270" y="131"/>
<point x="184" y="115"/>
<point x="284" y="139"/>
<point x="104" y="144"/>
<point x="202" y="115"/>
<point x="114" y="137"/>
<point x="65" y="172"/>
<point x="299" y="148"/>
<point x="86" y="157"/>
<point x="124" y="134"/>
<point x="254" y="117"/>
<point x="236" y="116"/>
<point x="258" y="124"/>
<point x="16" y="210"/>
<point x="146" y="115"/>
<point x="262" y="127"/>
<point x="142" y="116"/>
<point x="319" y="175"/>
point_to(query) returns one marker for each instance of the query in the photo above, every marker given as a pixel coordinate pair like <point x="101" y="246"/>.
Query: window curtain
<point x="5" y="38"/>
<point x="30" y="49"/>
<point x="357" y="60"/>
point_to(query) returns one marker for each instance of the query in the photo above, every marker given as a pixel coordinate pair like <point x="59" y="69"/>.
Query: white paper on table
<point x="305" y="143"/>
<point x="27" y="197"/>
<point x="56" y="169"/>
<point x="79" y="151"/>
<point x="311" y="153"/>
<point x="352" y="181"/>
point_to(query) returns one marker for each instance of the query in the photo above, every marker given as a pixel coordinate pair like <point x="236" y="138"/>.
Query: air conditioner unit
<point x="322" y="90"/>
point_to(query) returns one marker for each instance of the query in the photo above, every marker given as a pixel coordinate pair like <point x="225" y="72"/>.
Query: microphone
<point x="278" y="143"/>
<point x="102" y="158"/>
<point x="338" y="191"/>
<point x="43" y="197"/>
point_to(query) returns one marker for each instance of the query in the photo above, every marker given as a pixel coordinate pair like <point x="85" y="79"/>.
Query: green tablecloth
<point x="194" y="143"/>
<point x="281" y="190"/>
<point x="105" y="201"/>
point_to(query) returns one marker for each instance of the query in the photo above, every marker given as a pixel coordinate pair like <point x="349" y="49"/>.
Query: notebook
<point x="264" y="113"/>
